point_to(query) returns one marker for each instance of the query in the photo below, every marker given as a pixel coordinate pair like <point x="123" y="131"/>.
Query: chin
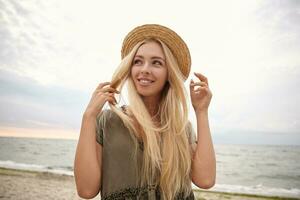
<point x="146" y="93"/>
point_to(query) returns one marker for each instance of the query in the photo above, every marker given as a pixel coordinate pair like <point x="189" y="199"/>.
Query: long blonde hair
<point x="167" y="155"/>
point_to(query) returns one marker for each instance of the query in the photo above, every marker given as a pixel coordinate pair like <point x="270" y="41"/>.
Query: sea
<point x="267" y="170"/>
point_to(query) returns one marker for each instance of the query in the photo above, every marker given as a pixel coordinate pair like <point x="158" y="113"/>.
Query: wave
<point x="256" y="190"/>
<point x="39" y="168"/>
<point x="251" y="190"/>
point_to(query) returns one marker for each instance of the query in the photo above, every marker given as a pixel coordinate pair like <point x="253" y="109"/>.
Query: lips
<point x="145" y="81"/>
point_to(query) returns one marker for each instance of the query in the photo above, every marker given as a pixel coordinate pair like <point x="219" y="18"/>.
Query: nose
<point x="145" y="69"/>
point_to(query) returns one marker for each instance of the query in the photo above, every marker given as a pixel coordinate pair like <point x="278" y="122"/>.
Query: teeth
<point x="145" y="81"/>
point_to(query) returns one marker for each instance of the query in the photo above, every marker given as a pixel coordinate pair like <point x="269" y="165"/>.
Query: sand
<point x="25" y="185"/>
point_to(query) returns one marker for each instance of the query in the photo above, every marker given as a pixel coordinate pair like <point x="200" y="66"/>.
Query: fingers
<point x="109" y="89"/>
<point x="201" y="77"/>
<point x="193" y="84"/>
<point x="105" y="90"/>
<point x="101" y="85"/>
<point x="203" y="84"/>
<point x="101" y="88"/>
<point x="110" y="98"/>
<point x="199" y="89"/>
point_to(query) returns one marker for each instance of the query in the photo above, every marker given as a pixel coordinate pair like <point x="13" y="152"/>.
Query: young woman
<point x="148" y="148"/>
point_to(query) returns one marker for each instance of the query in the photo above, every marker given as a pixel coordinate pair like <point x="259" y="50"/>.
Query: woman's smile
<point x="145" y="82"/>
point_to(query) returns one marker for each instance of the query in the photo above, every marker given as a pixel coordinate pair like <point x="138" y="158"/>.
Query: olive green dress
<point x="119" y="175"/>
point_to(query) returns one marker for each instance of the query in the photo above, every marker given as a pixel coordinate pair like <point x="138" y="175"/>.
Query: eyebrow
<point x="153" y="57"/>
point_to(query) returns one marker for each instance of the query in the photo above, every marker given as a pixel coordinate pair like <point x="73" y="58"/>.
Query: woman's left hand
<point x="202" y="95"/>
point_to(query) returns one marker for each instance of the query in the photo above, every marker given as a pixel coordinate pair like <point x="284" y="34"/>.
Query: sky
<point x="53" y="54"/>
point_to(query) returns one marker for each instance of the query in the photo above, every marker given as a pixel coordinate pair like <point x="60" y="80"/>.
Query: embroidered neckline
<point x="141" y="193"/>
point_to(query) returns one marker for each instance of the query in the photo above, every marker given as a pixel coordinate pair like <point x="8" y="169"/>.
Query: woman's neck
<point x="151" y="104"/>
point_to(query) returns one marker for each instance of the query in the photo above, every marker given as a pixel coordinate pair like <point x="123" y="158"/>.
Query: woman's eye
<point x="136" y="62"/>
<point x="157" y="62"/>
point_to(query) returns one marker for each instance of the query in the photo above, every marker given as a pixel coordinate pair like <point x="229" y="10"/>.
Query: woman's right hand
<point x="99" y="97"/>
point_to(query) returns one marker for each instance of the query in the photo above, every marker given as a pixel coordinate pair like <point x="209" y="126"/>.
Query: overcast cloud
<point x="54" y="53"/>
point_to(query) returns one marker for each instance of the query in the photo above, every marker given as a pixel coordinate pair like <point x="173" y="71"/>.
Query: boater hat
<point x="168" y="36"/>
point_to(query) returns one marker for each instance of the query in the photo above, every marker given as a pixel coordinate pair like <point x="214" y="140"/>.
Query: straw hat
<point x="168" y="36"/>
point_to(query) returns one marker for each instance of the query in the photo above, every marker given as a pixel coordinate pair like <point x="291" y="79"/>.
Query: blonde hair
<point x="167" y="154"/>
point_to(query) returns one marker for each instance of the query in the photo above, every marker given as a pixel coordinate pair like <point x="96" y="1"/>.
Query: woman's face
<point x="149" y="70"/>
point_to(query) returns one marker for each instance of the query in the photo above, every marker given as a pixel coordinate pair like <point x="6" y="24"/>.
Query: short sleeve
<point x="191" y="133"/>
<point x="100" y="121"/>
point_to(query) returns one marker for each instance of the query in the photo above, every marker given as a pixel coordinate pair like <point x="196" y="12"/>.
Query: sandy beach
<point x="25" y="185"/>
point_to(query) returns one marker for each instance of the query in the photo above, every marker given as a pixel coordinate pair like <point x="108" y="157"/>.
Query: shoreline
<point x="26" y="184"/>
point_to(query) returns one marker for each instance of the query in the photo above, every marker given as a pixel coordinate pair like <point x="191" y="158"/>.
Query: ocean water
<point x="250" y="169"/>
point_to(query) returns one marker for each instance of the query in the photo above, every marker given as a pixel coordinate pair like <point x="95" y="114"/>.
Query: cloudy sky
<point x="53" y="54"/>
